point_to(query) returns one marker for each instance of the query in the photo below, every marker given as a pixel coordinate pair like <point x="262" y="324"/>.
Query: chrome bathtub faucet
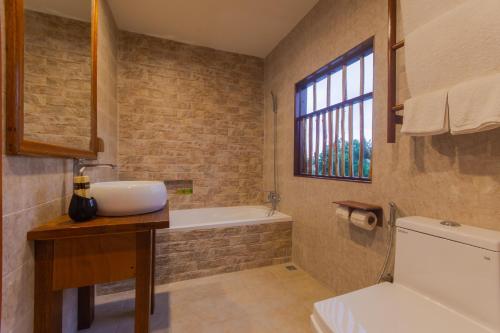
<point x="273" y="198"/>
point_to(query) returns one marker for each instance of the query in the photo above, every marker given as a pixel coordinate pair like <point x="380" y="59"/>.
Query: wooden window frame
<point x="327" y="113"/>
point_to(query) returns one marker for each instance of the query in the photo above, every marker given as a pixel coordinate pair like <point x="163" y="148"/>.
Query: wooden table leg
<point x="143" y="259"/>
<point x="86" y="304"/>
<point x="48" y="303"/>
<point x="153" y="257"/>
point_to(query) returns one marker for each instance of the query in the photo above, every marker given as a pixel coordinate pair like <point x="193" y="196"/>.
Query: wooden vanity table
<point x="80" y="255"/>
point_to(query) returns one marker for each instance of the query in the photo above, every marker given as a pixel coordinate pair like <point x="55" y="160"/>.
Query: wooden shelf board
<point x="64" y="227"/>
<point x="363" y="206"/>
<point x="358" y="205"/>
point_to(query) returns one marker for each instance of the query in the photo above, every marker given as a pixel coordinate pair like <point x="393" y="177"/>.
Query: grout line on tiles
<point x="24" y="210"/>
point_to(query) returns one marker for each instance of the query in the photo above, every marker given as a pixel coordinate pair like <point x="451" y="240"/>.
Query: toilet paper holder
<point x="352" y="205"/>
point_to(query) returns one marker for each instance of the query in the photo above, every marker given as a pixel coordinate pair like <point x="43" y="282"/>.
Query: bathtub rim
<point x="282" y="218"/>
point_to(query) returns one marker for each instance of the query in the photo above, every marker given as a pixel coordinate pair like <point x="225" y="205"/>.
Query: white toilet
<point x="447" y="279"/>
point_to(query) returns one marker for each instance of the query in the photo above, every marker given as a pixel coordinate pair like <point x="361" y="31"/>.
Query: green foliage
<point x="367" y="157"/>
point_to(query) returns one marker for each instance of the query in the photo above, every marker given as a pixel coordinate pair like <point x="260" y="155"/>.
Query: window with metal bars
<point x="333" y="118"/>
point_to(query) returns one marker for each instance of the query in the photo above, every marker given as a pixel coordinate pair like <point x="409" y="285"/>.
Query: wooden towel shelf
<point x="392" y="108"/>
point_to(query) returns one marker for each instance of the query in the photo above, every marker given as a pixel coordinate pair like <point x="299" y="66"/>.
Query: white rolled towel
<point x="475" y="105"/>
<point x="426" y="114"/>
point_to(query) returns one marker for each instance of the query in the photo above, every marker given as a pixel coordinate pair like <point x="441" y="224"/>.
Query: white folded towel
<point x="461" y="44"/>
<point x="416" y="13"/>
<point x="475" y="105"/>
<point x="426" y="114"/>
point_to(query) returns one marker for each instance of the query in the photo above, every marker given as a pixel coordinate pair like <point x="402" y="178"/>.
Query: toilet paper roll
<point x="343" y="213"/>
<point x="363" y="219"/>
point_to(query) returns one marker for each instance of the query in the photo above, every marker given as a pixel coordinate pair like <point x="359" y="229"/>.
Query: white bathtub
<point x="223" y="217"/>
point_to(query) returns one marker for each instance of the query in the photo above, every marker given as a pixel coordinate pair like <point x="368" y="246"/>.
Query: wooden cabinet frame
<point x="16" y="143"/>
<point x="80" y="255"/>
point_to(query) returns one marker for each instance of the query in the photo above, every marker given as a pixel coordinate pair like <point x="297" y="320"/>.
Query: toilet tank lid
<point x="479" y="237"/>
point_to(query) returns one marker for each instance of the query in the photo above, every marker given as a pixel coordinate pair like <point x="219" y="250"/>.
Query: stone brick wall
<point x="57" y="79"/>
<point x="183" y="255"/>
<point x="191" y="113"/>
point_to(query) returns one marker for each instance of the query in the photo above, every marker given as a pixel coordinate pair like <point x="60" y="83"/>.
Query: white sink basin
<point x="128" y="197"/>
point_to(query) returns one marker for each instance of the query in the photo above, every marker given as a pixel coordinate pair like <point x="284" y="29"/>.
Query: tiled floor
<point x="262" y="300"/>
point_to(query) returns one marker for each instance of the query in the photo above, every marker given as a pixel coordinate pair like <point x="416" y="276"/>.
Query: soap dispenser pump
<point x="82" y="207"/>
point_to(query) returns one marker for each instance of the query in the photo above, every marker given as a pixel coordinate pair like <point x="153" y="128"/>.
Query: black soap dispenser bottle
<point x="82" y="207"/>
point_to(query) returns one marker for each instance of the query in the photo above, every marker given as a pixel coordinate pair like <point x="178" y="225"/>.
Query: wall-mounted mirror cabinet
<point x="52" y="77"/>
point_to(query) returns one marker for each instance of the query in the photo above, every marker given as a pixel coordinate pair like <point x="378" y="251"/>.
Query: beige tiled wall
<point x="36" y="190"/>
<point x="191" y="113"/>
<point x="456" y="178"/>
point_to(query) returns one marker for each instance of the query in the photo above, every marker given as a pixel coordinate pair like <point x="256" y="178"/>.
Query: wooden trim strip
<point x="351" y="137"/>
<point x="344" y="97"/>
<point x="361" y="139"/>
<point x="316" y="160"/>
<point x="371" y="168"/>
<point x="344" y="84"/>
<point x="303" y="129"/>
<point x="342" y="151"/>
<point x="325" y="135"/>
<point x="337" y="136"/>
<point x="310" y="146"/>
<point x="328" y="88"/>
<point x="94" y="145"/>
<point x="316" y="153"/>
<point x="398" y="45"/>
<point x="34" y="148"/>
<point x="391" y="75"/>
<point x="298" y="139"/>
<point x="330" y="144"/>
<point x="346" y="179"/>
<point x="14" y="33"/>
<point x="361" y="120"/>
<point x="328" y="157"/>
<point x="315" y="102"/>
<point x="361" y="75"/>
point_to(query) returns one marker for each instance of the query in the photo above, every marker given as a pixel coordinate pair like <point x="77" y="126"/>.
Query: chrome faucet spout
<point x="80" y="166"/>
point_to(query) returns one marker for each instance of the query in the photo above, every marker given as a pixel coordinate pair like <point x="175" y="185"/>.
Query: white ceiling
<point x="251" y="27"/>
